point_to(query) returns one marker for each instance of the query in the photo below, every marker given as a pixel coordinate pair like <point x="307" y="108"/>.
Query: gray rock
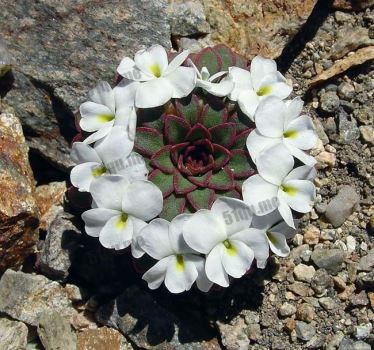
<point x="287" y="309"/>
<point x="328" y="303"/>
<point x="359" y="299"/>
<point x="342" y="205"/>
<point x="329" y="101"/>
<point x="25" y="297"/>
<point x="51" y="82"/>
<point x="146" y="323"/>
<point x="187" y="18"/>
<point x="305" y="331"/>
<point x="366" y="262"/>
<point x="60" y="245"/>
<point x="55" y="332"/>
<point x="367" y="133"/>
<point x="329" y="259"/>
<point x="366" y="280"/>
<point x="321" y="282"/>
<point x="362" y="331"/>
<point x="348" y="130"/>
<point x="349" y="344"/>
<point x="5" y="59"/>
<point x="346" y="91"/>
<point x="13" y="335"/>
<point x="304" y="272"/>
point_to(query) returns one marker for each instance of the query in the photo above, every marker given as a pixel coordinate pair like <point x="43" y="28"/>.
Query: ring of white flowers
<point x="209" y="246"/>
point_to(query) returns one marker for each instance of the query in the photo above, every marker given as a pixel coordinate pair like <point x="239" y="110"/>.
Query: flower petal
<point x="101" y="133"/>
<point x="128" y="70"/>
<point x="94" y="116"/>
<point x="83" y="174"/>
<point x="257" y="241"/>
<point x="300" y="133"/>
<point x="95" y="219"/>
<point x="269" y="117"/>
<point x="278" y="243"/>
<point x="183" y="80"/>
<point x="285" y="211"/>
<point x="152" y="61"/>
<point x="260" y="195"/>
<point x="116" y="233"/>
<point x="154" y="239"/>
<point x="202" y="232"/>
<point x="176" y="234"/>
<point x="304" y="172"/>
<point x="275" y="163"/>
<point x="107" y="191"/>
<point x="142" y="199"/>
<point x="202" y="280"/>
<point x="248" y="102"/>
<point x="214" y="268"/>
<point x="181" y="274"/>
<point x="303" y="156"/>
<point x="274" y="84"/>
<point x="294" y="108"/>
<point x="103" y="94"/>
<point x="133" y="168"/>
<point x="242" y="81"/>
<point x="82" y="153"/>
<point x="177" y="61"/>
<point x="266" y="221"/>
<point x="234" y="214"/>
<point x="299" y="194"/>
<point x="153" y="93"/>
<point x="125" y="93"/>
<point x="156" y="274"/>
<point x="257" y="143"/>
<point x="284" y="229"/>
<point x="236" y="259"/>
<point x="114" y="149"/>
<point x="138" y="225"/>
<point x="220" y="89"/>
<point x="261" y="67"/>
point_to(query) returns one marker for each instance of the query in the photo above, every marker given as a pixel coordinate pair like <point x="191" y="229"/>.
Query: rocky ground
<point x="66" y="292"/>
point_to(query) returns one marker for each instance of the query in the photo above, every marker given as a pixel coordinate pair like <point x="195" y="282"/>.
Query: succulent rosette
<point x="197" y="161"/>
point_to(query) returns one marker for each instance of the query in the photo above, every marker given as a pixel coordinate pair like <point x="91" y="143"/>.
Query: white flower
<point x="206" y="82"/>
<point x="159" y="80"/>
<point x="279" y="122"/>
<point x="278" y="186"/>
<point x="179" y="265"/>
<point x="222" y="233"/>
<point x="108" y="107"/>
<point x="121" y="209"/>
<point x="262" y="81"/>
<point x="272" y="231"/>
<point x="111" y="155"/>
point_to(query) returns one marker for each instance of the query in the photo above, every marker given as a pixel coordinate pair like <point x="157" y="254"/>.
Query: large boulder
<point x="19" y="216"/>
<point x="256" y="26"/>
<point x="61" y="49"/>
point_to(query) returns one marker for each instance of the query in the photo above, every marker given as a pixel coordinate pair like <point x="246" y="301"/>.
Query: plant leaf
<point x="181" y="184"/>
<point x="228" y="57"/>
<point x="163" y="181"/>
<point x="202" y="180"/>
<point x="211" y="117"/>
<point x="189" y="109"/>
<point x="223" y="134"/>
<point x="198" y="132"/>
<point x="148" y="141"/>
<point x="201" y="198"/>
<point x="221" y="156"/>
<point x="161" y="160"/>
<point x="240" y="164"/>
<point x="222" y="180"/>
<point x="241" y="139"/>
<point x="173" y="205"/>
<point x="175" y="129"/>
<point x="209" y="59"/>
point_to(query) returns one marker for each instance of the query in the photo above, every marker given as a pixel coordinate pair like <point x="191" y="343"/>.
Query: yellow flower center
<point x="290" y="134"/>
<point x="156" y="70"/>
<point x="180" y="263"/>
<point x="99" y="171"/>
<point x="264" y="90"/>
<point x="104" y="118"/>
<point x="231" y="250"/>
<point x="271" y="237"/>
<point x="292" y="191"/>
<point x="122" y="221"/>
